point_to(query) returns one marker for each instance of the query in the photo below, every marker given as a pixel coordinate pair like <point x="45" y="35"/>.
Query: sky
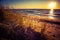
<point x="30" y="4"/>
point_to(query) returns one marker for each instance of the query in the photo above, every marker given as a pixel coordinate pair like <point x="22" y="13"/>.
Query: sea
<point x="39" y="12"/>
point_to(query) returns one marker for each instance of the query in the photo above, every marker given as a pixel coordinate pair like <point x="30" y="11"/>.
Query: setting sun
<point x="52" y="4"/>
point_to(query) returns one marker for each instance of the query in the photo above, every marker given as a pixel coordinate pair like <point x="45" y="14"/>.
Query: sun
<point x="52" y="5"/>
